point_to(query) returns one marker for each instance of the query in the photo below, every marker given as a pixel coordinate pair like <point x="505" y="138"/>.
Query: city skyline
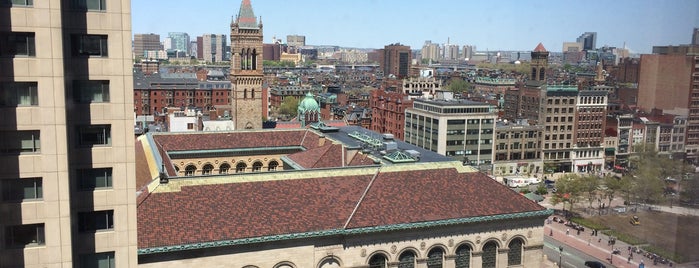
<point x="373" y="24"/>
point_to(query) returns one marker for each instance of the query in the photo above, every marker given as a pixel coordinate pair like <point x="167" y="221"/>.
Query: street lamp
<point x="612" y="241"/>
<point x="560" y="256"/>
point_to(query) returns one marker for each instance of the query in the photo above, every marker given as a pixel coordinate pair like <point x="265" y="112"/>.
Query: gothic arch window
<point x="189" y="170"/>
<point x="514" y="256"/>
<point x="224" y="168"/>
<point x="489" y="256"/>
<point x="378" y="261"/>
<point x="463" y="256"/>
<point x="245" y="94"/>
<point x="435" y="258"/>
<point x="206" y="169"/>
<point x="257" y="166"/>
<point x="406" y="259"/>
<point x="542" y="73"/>
<point x="248" y="60"/>
<point x="272" y="166"/>
<point x="533" y="73"/>
<point x="254" y="59"/>
<point x="242" y="59"/>
<point x="240" y="167"/>
<point x="252" y="93"/>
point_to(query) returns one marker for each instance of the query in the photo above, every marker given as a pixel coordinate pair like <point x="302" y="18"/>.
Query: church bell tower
<point x="246" y="68"/>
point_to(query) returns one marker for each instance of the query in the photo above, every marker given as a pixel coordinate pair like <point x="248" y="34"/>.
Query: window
<point x="89" y="45"/>
<point x="21" y="189"/>
<point x="20" y="236"/>
<point x="94" y="178"/>
<point x="272" y="165"/>
<point x="223" y="169"/>
<point x="435" y="258"/>
<point x="13" y="94"/>
<point x="23" y="141"/>
<point x="377" y="261"/>
<point x="514" y="256"/>
<point x="17" y="44"/>
<point x="257" y="166"/>
<point x="92" y="5"/>
<point x="91" y="91"/>
<point x="96" y="221"/>
<point x="97" y="260"/>
<point x="190" y="170"/>
<point x="240" y="167"/>
<point x="406" y="260"/>
<point x="463" y="257"/>
<point x="489" y="255"/>
<point x="92" y="135"/>
<point x="19" y="3"/>
<point x="206" y="170"/>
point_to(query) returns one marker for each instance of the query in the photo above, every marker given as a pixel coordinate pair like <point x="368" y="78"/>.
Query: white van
<point x="533" y="180"/>
<point x="517" y="182"/>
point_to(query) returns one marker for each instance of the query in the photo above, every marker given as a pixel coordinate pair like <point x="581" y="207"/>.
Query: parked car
<point x="594" y="264"/>
<point x="634" y="220"/>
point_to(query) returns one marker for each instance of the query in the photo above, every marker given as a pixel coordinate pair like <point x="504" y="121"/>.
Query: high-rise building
<point x="179" y="41"/>
<point x="588" y="40"/>
<point x="295" y="40"/>
<point x="468" y="51"/>
<point x="146" y="42"/>
<point x="246" y="68"/>
<point x="451" y="52"/>
<point x="430" y="51"/>
<point x="396" y="60"/>
<point x="212" y="47"/>
<point x="67" y="178"/>
<point x="695" y="36"/>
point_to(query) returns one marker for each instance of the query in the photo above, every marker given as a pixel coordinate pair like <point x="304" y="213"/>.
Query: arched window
<point x="272" y="165"/>
<point x="240" y="167"/>
<point x="406" y="260"/>
<point x="206" y="169"/>
<point x="245" y="94"/>
<point x="254" y="59"/>
<point x="242" y="59"/>
<point x="463" y="256"/>
<point x="542" y="73"/>
<point x="377" y="261"/>
<point x="534" y="73"/>
<point x="257" y="166"/>
<point x="435" y="258"/>
<point x="189" y="170"/>
<point x="252" y="93"/>
<point x="514" y="256"/>
<point x="490" y="251"/>
<point x="223" y="169"/>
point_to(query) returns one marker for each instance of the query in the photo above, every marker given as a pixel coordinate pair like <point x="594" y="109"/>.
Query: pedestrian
<point x="567" y="231"/>
<point x="578" y="231"/>
<point x="599" y="240"/>
<point x="551" y="233"/>
<point x="629" y="260"/>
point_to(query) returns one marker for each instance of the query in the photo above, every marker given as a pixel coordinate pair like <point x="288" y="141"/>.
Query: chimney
<point x="321" y="140"/>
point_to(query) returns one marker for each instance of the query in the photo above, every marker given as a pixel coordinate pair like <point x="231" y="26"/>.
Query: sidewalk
<point x="597" y="246"/>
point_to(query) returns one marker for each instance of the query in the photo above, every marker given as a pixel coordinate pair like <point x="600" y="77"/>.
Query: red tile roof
<point x="540" y="48"/>
<point x="213" y="141"/>
<point x="208" y="213"/>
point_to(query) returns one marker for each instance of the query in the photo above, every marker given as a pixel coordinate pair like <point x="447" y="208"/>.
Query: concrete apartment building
<point x="67" y="137"/>
<point x="460" y="129"/>
<point x="558" y="118"/>
<point x="145" y="42"/>
<point x="211" y="47"/>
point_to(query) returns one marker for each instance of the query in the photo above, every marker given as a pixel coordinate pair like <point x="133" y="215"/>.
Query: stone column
<point x="421" y="263"/>
<point x="449" y="261"/>
<point x="477" y="259"/>
<point x="501" y="258"/>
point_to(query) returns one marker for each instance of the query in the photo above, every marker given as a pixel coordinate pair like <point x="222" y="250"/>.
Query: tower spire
<point x="246" y="17"/>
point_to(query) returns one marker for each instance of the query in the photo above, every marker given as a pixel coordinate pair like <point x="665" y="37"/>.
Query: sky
<point x="488" y="25"/>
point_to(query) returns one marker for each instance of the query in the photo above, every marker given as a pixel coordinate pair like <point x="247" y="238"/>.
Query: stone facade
<point x="246" y="69"/>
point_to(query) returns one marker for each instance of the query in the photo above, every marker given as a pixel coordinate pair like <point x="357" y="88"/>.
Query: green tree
<point x="649" y="170"/>
<point x="589" y="184"/>
<point x="614" y="185"/>
<point x="570" y="190"/>
<point x="458" y="85"/>
<point x="289" y="106"/>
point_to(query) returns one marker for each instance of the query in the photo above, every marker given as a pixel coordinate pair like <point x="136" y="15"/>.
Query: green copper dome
<point x="308" y="103"/>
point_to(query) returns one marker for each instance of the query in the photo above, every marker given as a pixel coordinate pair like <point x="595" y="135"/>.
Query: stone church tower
<point x="540" y="60"/>
<point x="246" y="69"/>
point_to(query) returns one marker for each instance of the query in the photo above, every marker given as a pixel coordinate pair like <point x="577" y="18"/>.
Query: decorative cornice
<point x="340" y="232"/>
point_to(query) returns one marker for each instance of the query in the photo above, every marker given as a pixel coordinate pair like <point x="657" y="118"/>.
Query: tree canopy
<point x="289" y="106"/>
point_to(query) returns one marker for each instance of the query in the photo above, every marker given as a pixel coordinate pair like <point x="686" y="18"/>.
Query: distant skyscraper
<point x="451" y="52"/>
<point x="179" y="41"/>
<point x="145" y="42"/>
<point x="167" y="43"/>
<point x="396" y="60"/>
<point x="695" y="37"/>
<point x="430" y="51"/>
<point x="468" y="51"/>
<point x="295" y="40"/>
<point x="588" y="40"/>
<point x="212" y="47"/>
